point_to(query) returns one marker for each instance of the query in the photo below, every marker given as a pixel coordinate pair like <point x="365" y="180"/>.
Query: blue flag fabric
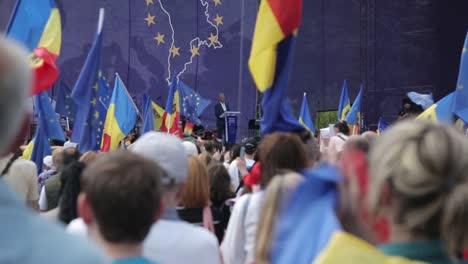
<point x="65" y="105"/>
<point x="304" y="118"/>
<point x="148" y="116"/>
<point x="192" y="103"/>
<point x="460" y="106"/>
<point x="307" y="218"/>
<point x="48" y="127"/>
<point x="383" y="124"/>
<point x="48" y="120"/>
<point x="353" y="115"/>
<point x="40" y="149"/>
<point x="424" y="100"/>
<point x="345" y="104"/>
<point x="91" y="96"/>
<point x="277" y="115"/>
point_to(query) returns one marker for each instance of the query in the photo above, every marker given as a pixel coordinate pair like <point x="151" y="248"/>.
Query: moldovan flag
<point x="121" y="117"/>
<point x="37" y="25"/>
<point x="171" y="118"/>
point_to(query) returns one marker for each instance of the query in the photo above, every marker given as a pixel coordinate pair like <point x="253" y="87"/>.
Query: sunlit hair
<point x="426" y="167"/>
<point x="15" y="84"/>
<point x="280" y="151"/>
<point x="274" y="197"/>
<point x="88" y="157"/>
<point x="196" y="192"/>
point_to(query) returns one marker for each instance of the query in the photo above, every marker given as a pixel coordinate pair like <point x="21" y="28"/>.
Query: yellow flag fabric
<point x="158" y="115"/>
<point x="345" y="248"/>
<point x="27" y="153"/>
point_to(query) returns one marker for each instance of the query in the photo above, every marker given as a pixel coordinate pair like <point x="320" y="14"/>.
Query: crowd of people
<point x="164" y="200"/>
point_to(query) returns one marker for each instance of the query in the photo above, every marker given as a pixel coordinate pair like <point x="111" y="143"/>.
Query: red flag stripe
<point x="288" y="13"/>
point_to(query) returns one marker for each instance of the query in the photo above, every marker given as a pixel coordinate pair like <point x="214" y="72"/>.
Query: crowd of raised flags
<point x="102" y="121"/>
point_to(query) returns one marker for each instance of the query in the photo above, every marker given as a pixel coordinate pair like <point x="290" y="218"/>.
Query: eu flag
<point x="148" y="116"/>
<point x="192" y="103"/>
<point x="65" y="105"/>
<point x="460" y="106"/>
<point x="48" y="127"/>
<point x="90" y="95"/>
<point x="304" y="118"/>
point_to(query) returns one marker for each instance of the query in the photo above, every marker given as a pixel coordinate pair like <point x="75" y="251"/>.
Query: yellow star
<point x="219" y="20"/>
<point x="95" y="87"/>
<point x="149" y="2"/>
<point x="217" y="2"/>
<point x="195" y="51"/>
<point x="93" y="102"/>
<point x="96" y="115"/>
<point x="67" y="96"/>
<point x="159" y="38"/>
<point x="150" y="19"/>
<point x="175" y="51"/>
<point x="213" y="39"/>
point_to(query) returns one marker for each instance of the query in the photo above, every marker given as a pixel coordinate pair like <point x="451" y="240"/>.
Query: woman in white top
<point x="337" y="142"/>
<point x="278" y="152"/>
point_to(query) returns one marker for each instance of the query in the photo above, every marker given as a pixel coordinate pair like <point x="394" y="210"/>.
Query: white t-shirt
<point x="234" y="171"/>
<point x="335" y="147"/>
<point x="173" y="242"/>
<point x="239" y="241"/>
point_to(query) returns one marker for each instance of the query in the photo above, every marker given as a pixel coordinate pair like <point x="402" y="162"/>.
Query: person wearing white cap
<point x="190" y="148"/>
<point x="172" y="240"/>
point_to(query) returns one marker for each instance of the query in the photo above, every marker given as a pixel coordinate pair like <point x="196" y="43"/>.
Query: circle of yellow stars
<point x="194" y="49"/>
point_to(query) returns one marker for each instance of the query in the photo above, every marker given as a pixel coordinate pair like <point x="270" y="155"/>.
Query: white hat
<point x="47" y="160"/>
<point x="167" y="150"/>
<point x="190" y="148"/>
<point x="70" y="144"/>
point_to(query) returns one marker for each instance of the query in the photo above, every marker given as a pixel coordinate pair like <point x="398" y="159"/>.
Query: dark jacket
<point x="218" y="112"/>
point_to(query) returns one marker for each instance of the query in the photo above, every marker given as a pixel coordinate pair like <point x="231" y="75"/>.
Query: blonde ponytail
<point x="275" y="194"/>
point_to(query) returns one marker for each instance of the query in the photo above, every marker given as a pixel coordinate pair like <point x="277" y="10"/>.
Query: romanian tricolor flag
<point x="345" y="104"/>
<point x="37" y="25"/>
<point x="271" y="61"/>
<point x="304" y="118"/>
<point x="121" y="117"/>
<point x="171" y="117"/>
<point x="158" y="113"/>
<point x="441" y="111"/>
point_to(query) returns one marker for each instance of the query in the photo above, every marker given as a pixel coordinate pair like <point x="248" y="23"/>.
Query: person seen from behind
<point x="26" y="238"/>
<point x="335" y="147"/>
<point x="120" y="200"/>
<point x="278" y="151"/>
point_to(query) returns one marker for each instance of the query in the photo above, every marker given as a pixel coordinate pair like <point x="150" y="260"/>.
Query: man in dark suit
<point x="220" y="108"/>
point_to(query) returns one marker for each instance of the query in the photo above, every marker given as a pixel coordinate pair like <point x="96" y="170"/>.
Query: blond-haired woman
<point x="274" y="197"/>
<point x="419" y="181"/>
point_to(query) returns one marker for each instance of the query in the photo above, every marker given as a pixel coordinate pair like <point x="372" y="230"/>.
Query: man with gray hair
<point x="220" y="108"/>
<point x="26" y="238"/>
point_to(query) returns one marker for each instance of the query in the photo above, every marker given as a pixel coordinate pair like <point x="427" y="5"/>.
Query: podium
<point x="230" y="129"/>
